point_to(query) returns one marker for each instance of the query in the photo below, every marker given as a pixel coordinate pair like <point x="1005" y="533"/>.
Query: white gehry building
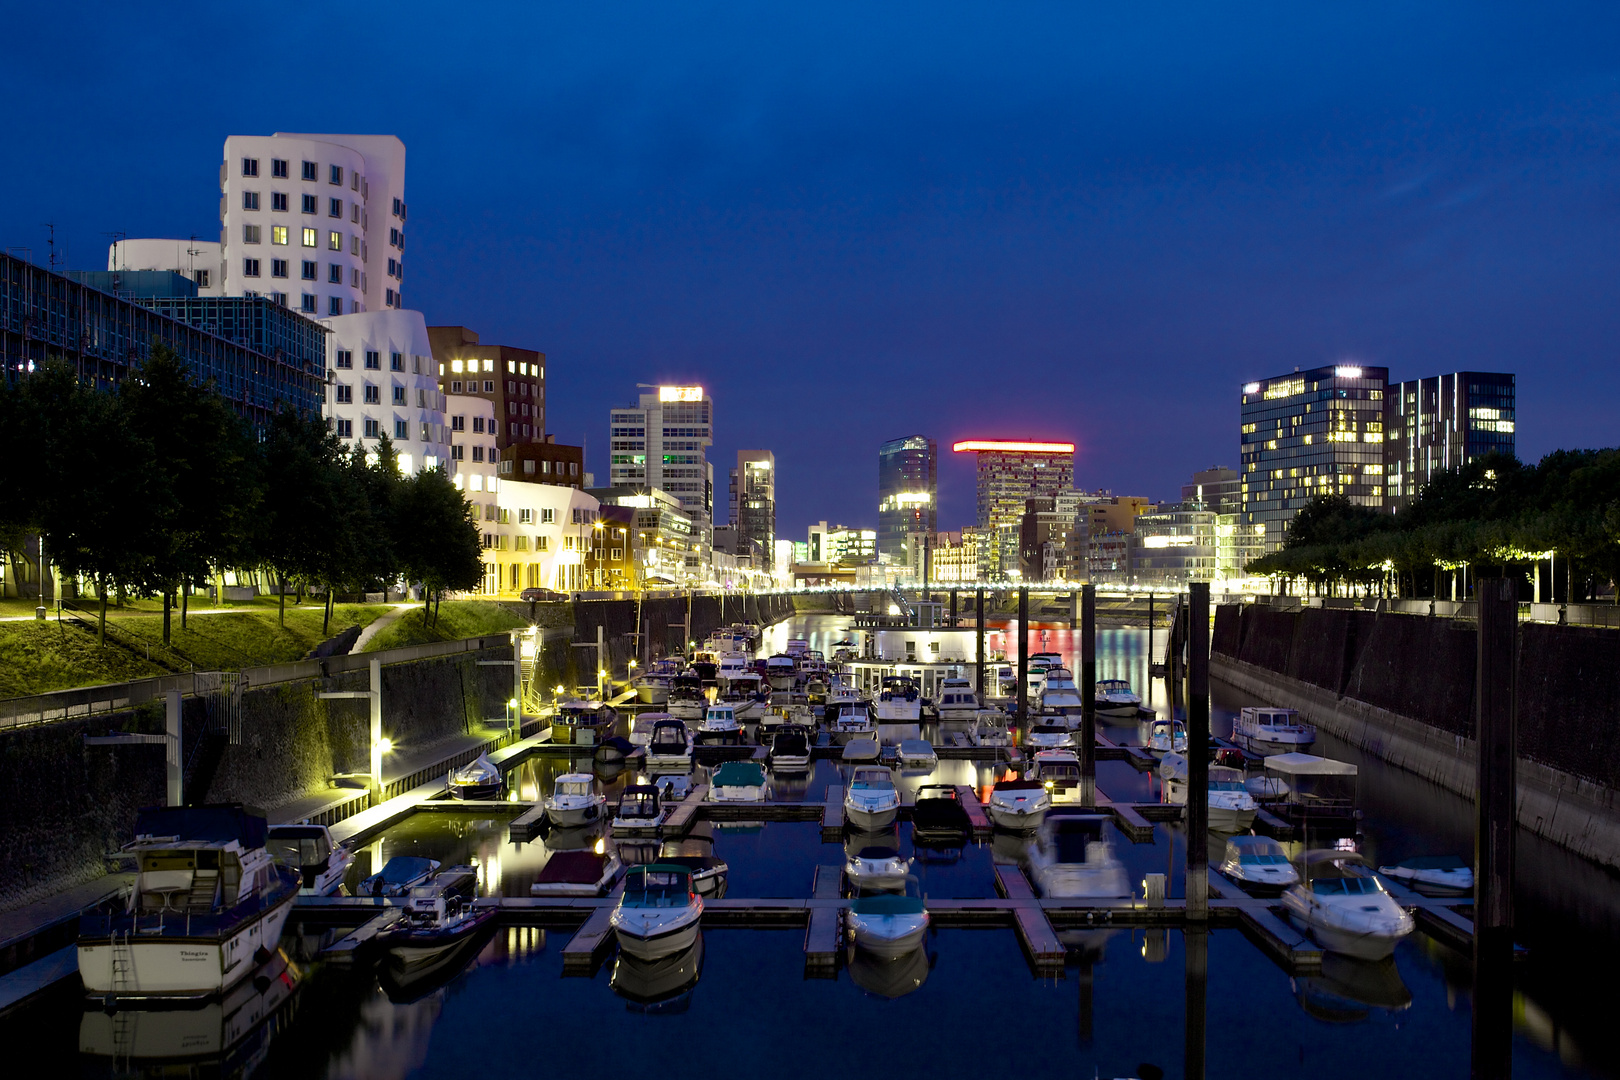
<point x="381" y="380"/>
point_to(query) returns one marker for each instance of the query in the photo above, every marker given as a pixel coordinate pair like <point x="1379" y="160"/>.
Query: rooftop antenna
<point x="51" y="243"/>
<point x="116" y="237"/>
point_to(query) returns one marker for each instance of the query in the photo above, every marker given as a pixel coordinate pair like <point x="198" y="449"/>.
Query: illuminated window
<point x="278" y="234"/>
<point x="311" y="239"/>
<point x="334" y="241"/>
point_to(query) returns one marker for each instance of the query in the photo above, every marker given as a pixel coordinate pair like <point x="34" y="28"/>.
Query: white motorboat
<point x="917" y="754"/>
<point x="1167" y="737"/>
<point x="1231" y="808"/>
<point x="652" y="687"/>
<point x="583" y="723"/>
<point x="640" y="810"/>
<point x="399" y="876"/>
<point x="1006" y="682"/>
<point x="1059" y="772"/>
<point x="478" y="779"/>
<point x="887" y="925"/>
<point x="1019" y="805"/>
<point x="587" y="872"/>
<point x="790" y="749"/>
<point x="687" y="698"/>
<point x="658" y="986"/>
<point x="1315" y="793"/>
<point x="781" y="671"/>
<point x="439" y="916"/>
<point x="574" y="800"/>
<point x="1264" y="730"/>
<point x="1345" y="908"/>
<point x="871" y="800"/>
<point x="851" y="721"/>
<point x="720" y="722"/>
<point x="1433" y="875"/>
<point x="989" y="729"/>
<point x="738" y="781"/>
<point x="747" y="697"/>
<point x="659" y="913"/>
<point x="957" y="700"/>
<point x="1049" y="737"/>
<point x="1258" y="863"/>
<point x="1059" y="696"/>
<point x="1072" y="857"/>
<point x="733" y="666"/>
<point x="669" y="744"/>
<point x="207" y="906"/>
<point x="871" y="865"/>
<point x="642" y="728"/>
<point x="308" y="849"/>
<point x="841" y="693"/>
<point x="1114" y="697"/>
<point x="860" y="750"/>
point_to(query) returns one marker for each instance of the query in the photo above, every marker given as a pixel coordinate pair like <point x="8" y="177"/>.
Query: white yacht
<point x="957" y="700"/>
<point x="720" y="721"/>
<point x="642" y="728"/>
<point x="669" y="744"/>
<point x="1114" y="697"/>
<point x="733" y="666"/>
<point x="1264" y="730"/>
<point x="1059" y="772"/>
<point x="640" y="811"/>
<point x="574" y="800"/>
<point x="1071" y="857"/>
<point x="659" y="913"/>
<point x="321" y="864"/>
<point x="1345" y="908"/>
<point x="1433" y="875"/>
<point x="1049" y="737"/>
<point x="989" y="729"/>
<point x="652" y="687"/>
<point x="747" y="696"/>
<point x="871" y="801"/>
<point x="207" y="904"/>
<point x="887" y="925"/>
<point x="1231" y="808"/>
<point x="917" y="754"/>
<point x="1019" y="805"/>
<point x="853" y="720"/>
<point x="782" y="671"/>
<point x="1258" y="863"/>
<point x="687" y="698"/>
<point x="1059" y="696"/>
<point x="1167" y="737"/>
<point x="738" y="781"/>
<point x="790" y="749"/>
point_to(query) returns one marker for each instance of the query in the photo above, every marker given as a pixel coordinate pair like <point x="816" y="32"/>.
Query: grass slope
<point x="38" y="657"/>
<point x="457" y="619"/>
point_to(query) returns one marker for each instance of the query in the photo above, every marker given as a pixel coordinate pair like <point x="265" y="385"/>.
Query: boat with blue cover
<point x="659" y="912"/>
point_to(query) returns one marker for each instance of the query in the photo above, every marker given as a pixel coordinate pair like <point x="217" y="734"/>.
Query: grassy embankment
<point x="465" y="619"/>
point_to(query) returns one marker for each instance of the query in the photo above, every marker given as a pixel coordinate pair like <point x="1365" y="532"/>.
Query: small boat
<point x="439" y="932"/>
<point x="615" y="750"/>
<point x="652" y="688"/>
<point x="1433" y="875"/>
<point x="1345" y="908"/>
<point x="641" y="728"/>
<point x="640" y="810"/>
<point x="1231" y="808"/>
<point x="478" y="779"/>
<point x="790" y="749"/>
<point x="852" y="720"/>
<point x="673" y="787"/>
<point x="662" y="986"/>
<point x="1059" y="772"/>
<point x="1072" y="858"/>
<point x="687" y="698"/>
<point x="1059" y="696"/>
<point x="874" y="866"/>
<point x="860" y="750"/>
<point x="815" y="692"/>
<point x="709" y="872"/>
<point x="1049" y="737"/>
<point x="308" y="849"/>
<point x="871" y="801"/>
<point x="1114" y="697"/>
<point x="583" y="723"/>
<point x="1314" y="793"/>
<point x="574" y="800"/>
<point x="734" y="666"/>
<point x="887" y="925"/>
<point x="669" y="744"/>
<point x="957" y="701"/>
<point x="781" y="671"/>
<point x="917" y="754"/>
<point x="938" y="815"/>
<point x="398" y="876"/>
<point x="738" y="781"/>
<point x="591" y="872"/>
<point x="1167" y="737"/>
<point x="1019" y="805"/>
<point x="659" y="913"/>
<point x="1266" y="730"/>
<point x="989" y="729"/>
<point x="720" y="722"/>
<point x="1258" y="863"/>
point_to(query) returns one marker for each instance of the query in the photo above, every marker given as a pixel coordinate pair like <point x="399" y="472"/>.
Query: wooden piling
<point x="1198" y="753"/>
<point x="1495" y="796"/>
<point x="978" y="634"/>
<point x="1023" y="652"/>
<point x="1088" y="691"/>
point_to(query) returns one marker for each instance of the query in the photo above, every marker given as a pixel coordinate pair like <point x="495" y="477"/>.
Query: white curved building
<point x="381" y="380"/>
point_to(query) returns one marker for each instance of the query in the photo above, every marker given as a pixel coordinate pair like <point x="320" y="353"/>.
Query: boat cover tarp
<point x="572" y="868"/>
<point x="1308" y="765"/>
<point x="739" y="774"/>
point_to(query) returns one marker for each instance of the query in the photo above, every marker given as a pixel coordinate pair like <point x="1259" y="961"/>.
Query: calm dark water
<point x="966" y="1006"/>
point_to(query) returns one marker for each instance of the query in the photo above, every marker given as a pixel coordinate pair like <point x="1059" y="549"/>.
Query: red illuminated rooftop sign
<point x="974" y="445"/>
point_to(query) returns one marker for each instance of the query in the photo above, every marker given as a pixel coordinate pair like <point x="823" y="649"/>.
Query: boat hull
<point x="656" y="942"/>
<point x="1231" y="819"/>
<point x="477" y="792"/>
<point x="652" y="695"/>
<point x="870" y="820"/>
<point x="888" y="936"/>
<point x="570" y="816"/>
<point x="1016" y="819"/>
<point x="180" y="968"/>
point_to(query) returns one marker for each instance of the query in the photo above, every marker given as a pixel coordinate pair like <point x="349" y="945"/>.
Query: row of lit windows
<point x="281" y="236"/>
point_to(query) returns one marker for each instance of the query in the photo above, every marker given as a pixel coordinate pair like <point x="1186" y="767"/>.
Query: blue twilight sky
<point x="854" y="222"/>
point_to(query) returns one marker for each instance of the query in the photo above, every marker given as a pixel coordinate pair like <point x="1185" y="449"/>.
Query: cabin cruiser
<point x="669" y="744"/>
<point x="851" y="721"/>
<point x="587" y="872"/>
<point x="1059" y="696"/>
<point x="871" y="801"/>
<point x="478" y="779"/>
<point x="815" y="692"/>
<point x="398" y="876"/>
<point x="439" y="916"/>
<point x="583" y="723"/>
<point x="989" y="729"/>
<point x="574" y="800"/>
<point x="733" y="666"/>
<point x="889" y="977"/>
<point x="790" y="749"/>
<point x="1167" y="737"/>
<point x="1059" y="772"/>
<point x="781" y="671"/>
<point x="1114" y="697"/>
<point x="1231" y="808"/>
<point x="1264" y="730"/>
<point x="746" y="697"/>
<point x="652" y="687"/>
<point x="1258" y="863"/>
<point x="207" y="899"/>
<point x="939" y="817"/>
<point x="1345" y="908"/>
<point x="887" y="925"/>
<point x="639" y="811"/>
<point x="874" y="862"/>
<point x="738" y="781"/>
<point x="1035" y="672"/>
<point x="720" y="721"/>
<point x="841" y="693"/>
<point x="797" y="648"/>
<point x="1071" y="858"/>
<point x="687" y="699"/>
<point x="309" y="849"/>
<point x="956" y="700"/>
<point x="1310" y="792"/>
<point x="917" y="754"/>
<point x="659" y="912"/>
<point x="779" y="716"/>
<point x="1049" y="736"/>
<point x="1433" y="875"/>
<point x="1019" y="805"/>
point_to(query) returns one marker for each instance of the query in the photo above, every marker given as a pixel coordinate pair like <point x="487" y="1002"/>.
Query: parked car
<point x="531" y="596"/>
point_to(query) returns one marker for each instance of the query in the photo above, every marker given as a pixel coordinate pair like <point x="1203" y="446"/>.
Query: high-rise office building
<point x="908" y="488"/>
<point x="1217" y="489"/>
<point x="1010" y="472"/>
<point x="1444" y="422"/>
<point x="513" y="380"/>
<point x="662" y="443"/>
<point x="753" y="501"/>
<point x="1316" y="432"/>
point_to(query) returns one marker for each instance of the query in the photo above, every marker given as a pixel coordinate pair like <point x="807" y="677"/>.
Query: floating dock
<point x="823" y="932"/>
<point x="1042" y="948"/>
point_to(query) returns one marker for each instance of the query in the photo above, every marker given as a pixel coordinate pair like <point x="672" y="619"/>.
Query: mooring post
<point x="978" y="634"/>
<point x="1196" y="939"/>
<point x="1074" y="611"/>
<point x="171" y="748"/>
<point x="1495" y="801"/>
<point x="1198" y="752"/>
<point x="1088" y="695"/>
<point x="1147" y="682"/>
<point x="1023" y="652"/>
<point x="953" y="607"/>
<point x="376" y="731"/>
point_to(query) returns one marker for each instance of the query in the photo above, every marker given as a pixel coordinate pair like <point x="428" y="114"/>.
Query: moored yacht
<point x="853" y="720"/>
<point x="478" y="779"/>
<point x="1059" y="772"/>
<point x="687" y="698"/>
<point x="583" y="723"/>
<point x="439" y="918"/>
<point x="782" y="671"/>
<point x="790" y="749"/>
<point x="957" y="701"/>
<point x="1072" y="857"/>
<point x="574" y="800"/>
<point x="207" y="906"/>
<point x="720" y="722"/>
<point x="1259" y="864"/>
<point x="1265" y="730"/>
<point x="738" y="781"/>
<point x="659" y="913"/>
<point x="640" y="810"/>
<point x="1345" y="908"/>
<point x="1167" y="737"/>
<point x="652" y="687"/>
<point x="1019" y="805"/>
<point x="1231" y="808"/>
<point x="871" y="801"/>
<point x="669" y="744"/>
<point x="887" y="925"/>
<point x="321" y="864"/>
<point x="1059" y="696"/>
<point x="1114" y="697"/>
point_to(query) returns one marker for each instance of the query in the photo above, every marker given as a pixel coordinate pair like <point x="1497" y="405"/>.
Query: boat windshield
<point x="1226" y="785"/>
<point x="574" y="788"/>
<point x="1345" y="886"/>
<point x="872" y="781"/>
<point x="657" y="888"/>
<point x="297" y="850"/>
<point x="1059" y="772"/>
<point x="1247" y="859"/>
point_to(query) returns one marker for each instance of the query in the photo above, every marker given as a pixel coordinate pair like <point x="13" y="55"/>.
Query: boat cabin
<point x="657" y="885"/>
<point x="640" y="802"/>
<point x="872" y="778"/>
<point x="1317" y="792"/>
<point x="668" y="737"/>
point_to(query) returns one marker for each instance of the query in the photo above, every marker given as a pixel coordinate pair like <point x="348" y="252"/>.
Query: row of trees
<point x="1495" y="514"/>
<point x="158" y="487"/>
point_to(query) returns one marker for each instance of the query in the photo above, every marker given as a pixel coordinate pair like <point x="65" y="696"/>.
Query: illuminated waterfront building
<point x="907" y="493"/>
<point x="753" y="503"/>
<point x="661" y="443"/>
<point x="1444" y="422"/>
<point x="1010" y="472"/>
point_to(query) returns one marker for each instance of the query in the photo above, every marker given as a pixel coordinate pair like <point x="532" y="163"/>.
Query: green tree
<point x="436" y="537"/>
<point x="302" y="507"/>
